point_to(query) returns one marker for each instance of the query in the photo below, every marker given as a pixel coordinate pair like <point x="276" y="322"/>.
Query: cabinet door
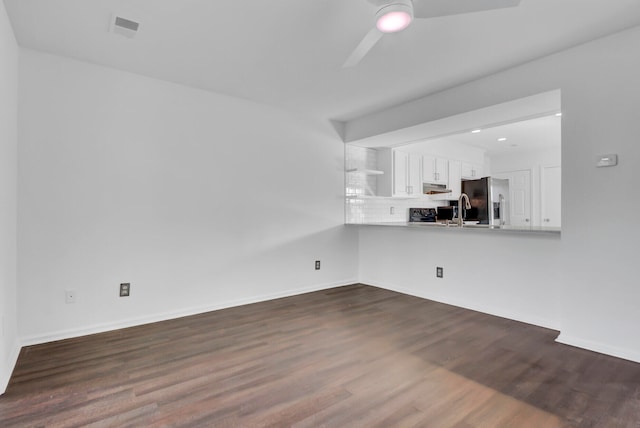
<point x="428" y="169"/>
<point x="435" y="170"/>
<point x="415" y="175"/>
<point x="442" y="171"/>
<point x="551" y="197"/>
<point x="400" y="173"/>
<point x="471" y="171"/>
<point x="455" y="179"/>
<point x="467" y="170"/>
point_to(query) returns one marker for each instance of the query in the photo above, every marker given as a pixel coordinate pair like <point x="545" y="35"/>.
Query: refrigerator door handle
<point x="501" y="208"/>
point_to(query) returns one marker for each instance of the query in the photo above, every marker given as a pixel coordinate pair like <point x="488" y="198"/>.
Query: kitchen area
<point x="505" y="176"/>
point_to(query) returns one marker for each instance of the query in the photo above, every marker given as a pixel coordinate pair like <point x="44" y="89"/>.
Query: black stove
<point x="422" y="215"/>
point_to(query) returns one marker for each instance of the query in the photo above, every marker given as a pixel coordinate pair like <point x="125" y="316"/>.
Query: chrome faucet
<point x="467" y="205"/>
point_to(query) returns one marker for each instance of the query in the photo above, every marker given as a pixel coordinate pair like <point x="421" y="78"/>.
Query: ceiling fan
<point x="393" y="16"/>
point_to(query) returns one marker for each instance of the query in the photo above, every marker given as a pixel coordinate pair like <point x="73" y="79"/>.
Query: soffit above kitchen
<point x="290" y="53"/>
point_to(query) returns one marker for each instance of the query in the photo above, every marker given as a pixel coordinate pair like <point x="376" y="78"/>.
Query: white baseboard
<point x="132" y="322"/>
<point x="5" y="372"/>
<point x="540" y="322"/>
<point x="625" y="354"/>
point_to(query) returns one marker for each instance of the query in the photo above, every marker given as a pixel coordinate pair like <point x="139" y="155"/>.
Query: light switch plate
<point x="607" y="160"/>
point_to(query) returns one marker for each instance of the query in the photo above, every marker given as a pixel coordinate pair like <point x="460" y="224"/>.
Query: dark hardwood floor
<point x="347" y="357"/>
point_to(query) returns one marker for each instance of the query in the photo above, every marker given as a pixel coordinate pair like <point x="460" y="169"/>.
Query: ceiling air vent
<point x="124" y="27"/>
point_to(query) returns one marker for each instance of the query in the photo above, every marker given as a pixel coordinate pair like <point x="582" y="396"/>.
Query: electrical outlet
<point x="125" y="289"/>
<point x="317" y="264"/>
<point x="392" y="210"/>
<point x="439" y="272"/>
<point x="70" y="296"/>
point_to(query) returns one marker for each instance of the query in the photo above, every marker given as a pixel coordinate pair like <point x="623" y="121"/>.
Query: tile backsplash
<point x="357" y="183"/>
<point x="383" y="210"/>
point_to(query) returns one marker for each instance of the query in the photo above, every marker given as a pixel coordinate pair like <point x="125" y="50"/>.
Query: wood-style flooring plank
<point x="354" y="356"/>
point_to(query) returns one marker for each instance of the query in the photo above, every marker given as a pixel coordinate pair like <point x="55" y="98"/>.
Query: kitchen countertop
<point x="451" y="226"/>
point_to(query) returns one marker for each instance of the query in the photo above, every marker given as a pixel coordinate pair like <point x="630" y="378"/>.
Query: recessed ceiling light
<point x="502" y="139"/>
<point x="558" y="114"/>
<point x="475" y="131"/>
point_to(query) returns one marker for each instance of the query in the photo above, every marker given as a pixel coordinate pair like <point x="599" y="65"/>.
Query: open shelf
<point x="365" y="171"/>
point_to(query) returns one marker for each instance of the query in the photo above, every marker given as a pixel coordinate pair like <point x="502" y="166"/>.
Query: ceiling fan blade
<point x="369" y="41"/>
<point x="434" y="8"/>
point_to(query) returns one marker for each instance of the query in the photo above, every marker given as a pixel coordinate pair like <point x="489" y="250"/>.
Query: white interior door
<point x="519" y="195"/>
<point x="551" y="196"/>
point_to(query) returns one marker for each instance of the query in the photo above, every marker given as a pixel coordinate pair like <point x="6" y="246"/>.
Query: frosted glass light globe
<point x="392" y="22"/>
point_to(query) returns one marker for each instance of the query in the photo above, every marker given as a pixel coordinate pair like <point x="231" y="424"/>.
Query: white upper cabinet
<point x="415" y="175"/>
<point x="407" y="174"/>
<point x="435" y="170"/>
<point x="406" y="171"/>
<point x="471" y="171"/>
<point x="402" y="173"/>
<point x="455" y="179"/>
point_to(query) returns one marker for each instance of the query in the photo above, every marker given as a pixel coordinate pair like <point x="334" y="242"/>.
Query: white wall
<point x="525" y="160"/>
<point x="9" y="345"/>
<point x="584" y="283"/>
<point x="200" y="201"/>
<point x="503" y="273"/>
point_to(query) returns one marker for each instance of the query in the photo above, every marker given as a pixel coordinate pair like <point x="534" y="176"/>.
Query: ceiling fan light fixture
<point x="394" y="17"/>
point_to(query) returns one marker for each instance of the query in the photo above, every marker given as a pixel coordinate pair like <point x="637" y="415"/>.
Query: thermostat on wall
<point x="607" y="160"/>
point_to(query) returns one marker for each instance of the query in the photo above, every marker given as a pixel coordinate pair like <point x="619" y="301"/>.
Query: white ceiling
<point x="289" y="53"/>
<point x="522" y="136"/>
<point x="529" y="124"/>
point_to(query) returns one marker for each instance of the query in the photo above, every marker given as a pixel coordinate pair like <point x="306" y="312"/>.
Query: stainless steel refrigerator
<point x="489" y="198"/>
